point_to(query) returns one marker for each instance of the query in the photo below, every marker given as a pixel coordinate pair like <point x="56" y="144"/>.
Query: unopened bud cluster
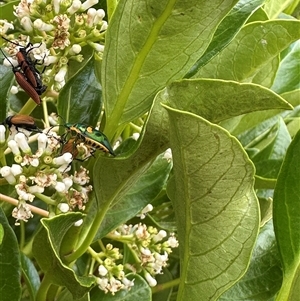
<point x="39" y="169"/>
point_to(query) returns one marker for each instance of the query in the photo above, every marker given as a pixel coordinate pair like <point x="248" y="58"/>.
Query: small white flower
<point x="102" y="284"/>
<point x="135" y="136"/>
<point x="128" y="283"/>
<point x="5" y="26"/>
<point x="21" y="212"/>
<point x="63" y="207"/>
<point x="102" y="270"/>
<point x="152" y="282"/>
<point x="172" y="241"/>
<point x="51" y="59"/>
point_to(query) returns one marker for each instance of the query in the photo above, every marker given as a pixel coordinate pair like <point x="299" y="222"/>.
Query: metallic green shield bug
<point x="90" y="136"/>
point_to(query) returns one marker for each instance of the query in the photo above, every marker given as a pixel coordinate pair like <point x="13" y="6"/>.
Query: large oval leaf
<point x="149" y="44"/>
<point x="215" y="204"/>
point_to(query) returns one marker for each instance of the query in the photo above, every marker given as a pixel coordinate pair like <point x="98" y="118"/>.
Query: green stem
<point x="46" y="199"/>
<point x="164" y="286"/>
<point x="43" y="289"/>
<point x="90" y="236"/>
<point x="29" y="106"/>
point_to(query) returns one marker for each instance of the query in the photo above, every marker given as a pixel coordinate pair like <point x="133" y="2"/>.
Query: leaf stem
<point x="160" y="287"/>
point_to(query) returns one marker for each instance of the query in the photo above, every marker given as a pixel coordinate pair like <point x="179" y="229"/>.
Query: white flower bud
<point x="16" y="169"/>
<point x="36" y="189"/>
<point x="98" y="47"/>
<point x="159" y="236"/>
<point x="60" y="76"/>
<point x="56" y="6"/>
<point x="87" y="4"/>
<point x="63" y="207"/>
<point x="14" y="90"/>
<point x="2" y="133"/>
<point x="20" y="138"/>
<point x="10" y="61"/>
<point x="135" y="136"/>
<point x="42" y="26"/>
<point x="68" y="182"/>
<point x="13" y="145"/>
<point x="168" y="155"/>
<point x="102" y="270"/>
<point x="60" y="187"/>
<point x="7" y="174"/>
<point x="99" y="16"/>
<point x="42" y="141"/>
<point x="102" y="283"/>
<point x="147" y="209"/>
<point x="78" y="223"/>
<point x="103" y="26"/>
<point x="152" y="282"/>
<point x="91" y="13"/>
<point x="50" y="59"/>
<point x="76" y="4"/>
<point x="66" y="158"/>
<point x="26" y="23"/>
<point x="75" y="49"/>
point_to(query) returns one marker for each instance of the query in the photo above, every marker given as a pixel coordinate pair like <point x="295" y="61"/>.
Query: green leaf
<point x="139" y="292"/>
<point x="216" y="207"/>
<point x="264" y="275"/>
<point x="274" y="7"/>
<point x="7" y="10"/>
<point x="10" y="269"/>
<point x="217" y="100"/>
<point x="140" y="192"/>
<point x="268" y="161"/>
<point x="287" y="77"/>
<point x="30" y="276"/>
<point x="6" y="76"/>
<point x="80" y="99"/>
<point x="46" y="249"/>
<point x="148" y="45"/>
<point x="226" y="31"/>
<point x="286" y="208"/>
<point x="251" y="50"/>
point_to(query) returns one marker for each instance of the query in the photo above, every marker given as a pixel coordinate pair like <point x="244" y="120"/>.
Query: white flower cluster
<point x="151" y="246"/>
<point x="59" y="29"/>
<point x="34" y="172"/>
<point x="111" y="275"/>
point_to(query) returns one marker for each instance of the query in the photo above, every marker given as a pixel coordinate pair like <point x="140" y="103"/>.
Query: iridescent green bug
<point x="90" y="137"/>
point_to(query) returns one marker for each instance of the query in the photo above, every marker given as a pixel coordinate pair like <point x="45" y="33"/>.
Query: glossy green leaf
<point x="6" y="77"/>
<point x="287" y="220"/>
<point x="252" y="49"/>
<point x="265" y="76"/>
<point x="264" y="275"/>
<point x="287" y="78"/>
<point x="10" y="269"/>
<point x="30" y="276"/>
<point x="6" y="10"/>
<point x="148" y="45"/>
<point x="274" y="7"/>
<point x="226" y="31"/>
<point x="269" y="159"/>
<point x="80" y="99"/>
<point x="139" y="292"/>
<point x="46" y="249"/>
<point x="139" y="193"/>
<point x="114" y="177"/>
<point x="216" y="207"/>
<point x="217" y="100"/>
